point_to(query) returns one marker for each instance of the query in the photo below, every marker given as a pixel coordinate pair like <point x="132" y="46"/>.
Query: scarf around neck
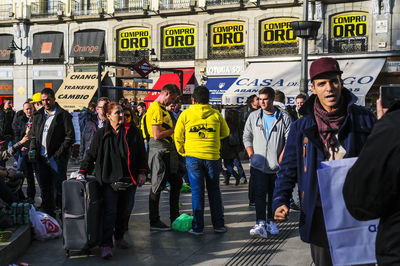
<point x="329" y="123"/>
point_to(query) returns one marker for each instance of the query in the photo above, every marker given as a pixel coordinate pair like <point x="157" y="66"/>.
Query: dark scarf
<point x="329" y="123"/>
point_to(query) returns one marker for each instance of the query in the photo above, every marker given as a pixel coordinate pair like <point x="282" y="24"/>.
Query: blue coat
<point x="304" y="152"/>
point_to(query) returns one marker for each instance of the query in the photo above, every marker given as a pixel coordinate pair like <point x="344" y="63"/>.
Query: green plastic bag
<point x="183" y="223"/>
<point x="185" y="188"/>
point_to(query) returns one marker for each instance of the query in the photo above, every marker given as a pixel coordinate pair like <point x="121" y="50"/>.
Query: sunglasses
<point x="127" y="115"/>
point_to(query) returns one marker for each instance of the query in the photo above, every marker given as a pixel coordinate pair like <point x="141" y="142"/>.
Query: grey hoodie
<point x="266" y="152"/>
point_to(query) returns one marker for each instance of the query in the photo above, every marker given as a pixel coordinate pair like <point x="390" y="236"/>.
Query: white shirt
<point x="49" y="119"/>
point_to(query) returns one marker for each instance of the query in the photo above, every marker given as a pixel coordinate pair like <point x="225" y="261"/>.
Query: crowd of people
<point x="125" y="145"/>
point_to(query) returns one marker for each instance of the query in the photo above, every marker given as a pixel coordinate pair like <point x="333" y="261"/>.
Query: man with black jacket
<point x="371" y="189"/>
<point x="21" y="122"/>
<point x="52" y="135"/>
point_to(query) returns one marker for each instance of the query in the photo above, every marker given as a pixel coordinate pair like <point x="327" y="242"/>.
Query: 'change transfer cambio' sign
<point x="77" y="90"/>
<point x="349" y="25"/>
<point x="134" y="39"/>
<point x="275" y="32"/>
<point x="179" y="37"/>
<point x="227" y="35"/>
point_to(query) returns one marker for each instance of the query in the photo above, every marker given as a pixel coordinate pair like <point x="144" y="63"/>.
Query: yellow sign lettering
<point x="134" y="39"/>
<point x="227" y="35"/>
<point x="350" y="25"/>
<point x="179" y="37"/>
<point x="274" y="32"/>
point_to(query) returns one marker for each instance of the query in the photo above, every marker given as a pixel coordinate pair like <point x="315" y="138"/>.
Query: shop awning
<point x="218" y="87"/>
<point x="47" y="45"/>
<point x="77" y="90"/>
<point x="358" y="76"/>
<point x="5" y="41"/>
<point x="87" y="44"/>
<point x="165" y="78"/>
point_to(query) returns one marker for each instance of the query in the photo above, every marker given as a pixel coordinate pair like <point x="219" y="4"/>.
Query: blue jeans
<point x="198" y="171"/>
<point x="264" y="184"/>
<point x="27" y="168"/>
<point x="51" y="175"/>
<point x="230" y="163"/>
<point x="117" y="207"/>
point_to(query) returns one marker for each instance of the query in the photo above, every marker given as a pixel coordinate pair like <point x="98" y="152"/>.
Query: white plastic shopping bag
<point x="44" y="226"/>
<point x="351" y="241"/>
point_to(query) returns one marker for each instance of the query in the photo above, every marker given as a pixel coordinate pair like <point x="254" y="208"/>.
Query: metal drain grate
<point x="258" y="251"/>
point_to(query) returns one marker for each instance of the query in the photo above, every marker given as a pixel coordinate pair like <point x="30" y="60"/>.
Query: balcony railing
<point x="47" y="9"/>
<point x="222" y="2"/>
<point x="87" y="7"/>
<point x="5" y="12"/>
<point x="129" y="5"/>
<point x="174" y="4"/>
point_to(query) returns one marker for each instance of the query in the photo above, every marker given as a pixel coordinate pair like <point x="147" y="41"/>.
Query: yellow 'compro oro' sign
<point x="349" y="25"/>
<point x="77" y="90"/>
<point x="179" y="36"/>
<point x="134" y="39"/>
<point x="227" y="35"/>
<point x="279" y="31"/>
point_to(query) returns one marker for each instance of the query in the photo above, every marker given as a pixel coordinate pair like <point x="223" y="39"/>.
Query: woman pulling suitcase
<point x="117" y="156"/>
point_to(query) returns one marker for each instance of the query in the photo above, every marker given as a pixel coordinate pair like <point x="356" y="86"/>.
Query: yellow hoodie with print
<point x="198" y="132"/>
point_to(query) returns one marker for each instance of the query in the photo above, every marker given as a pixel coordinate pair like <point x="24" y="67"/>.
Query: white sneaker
<point x="272" y="228"/>
<point x="259" y="231"/>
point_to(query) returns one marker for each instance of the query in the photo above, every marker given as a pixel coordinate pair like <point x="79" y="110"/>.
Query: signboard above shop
<point x="77" y="90"/>
<point x="179" y="37"/>
<point x="225" y="67"/>
<point x="134" y="39"/>
<point x="349" y="25"/>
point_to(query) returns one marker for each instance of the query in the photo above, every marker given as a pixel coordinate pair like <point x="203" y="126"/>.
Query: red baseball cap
<point x="324" y="65"/>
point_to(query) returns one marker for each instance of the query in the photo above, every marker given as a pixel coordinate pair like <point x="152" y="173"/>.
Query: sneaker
<point x="272" y="228"/>
<point x="220" y="230"/>
<point x="196" y="233"/>
<point x="122" y="244"/>
<point x="259" y="231"/>
<point x="252" y="204"/>
<point x="159" y="226"/>
<point x="106" y="252"/>
<point x="243" y="180"/>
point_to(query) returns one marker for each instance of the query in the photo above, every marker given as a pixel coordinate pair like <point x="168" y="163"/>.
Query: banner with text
<point x="134" y="39"/>
<point x="349" y="25"/>
<point x="227" y="35"/>
<point x="179" y="37"/>
<point x="280" y="31"/>
<point x="77" y="90"/>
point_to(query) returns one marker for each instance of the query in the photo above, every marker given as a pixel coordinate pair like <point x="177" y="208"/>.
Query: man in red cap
<point x="331" y="127"/>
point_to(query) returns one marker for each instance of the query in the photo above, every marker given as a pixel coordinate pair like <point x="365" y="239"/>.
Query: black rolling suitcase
<point x="82" y="214"/>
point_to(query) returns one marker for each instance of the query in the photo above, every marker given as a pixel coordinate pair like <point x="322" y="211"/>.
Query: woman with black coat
<point x="117" y="156"/>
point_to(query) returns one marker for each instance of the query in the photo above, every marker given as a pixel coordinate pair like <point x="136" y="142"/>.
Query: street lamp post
<point x="305" y="30"/>
<point x="13" y="47"/>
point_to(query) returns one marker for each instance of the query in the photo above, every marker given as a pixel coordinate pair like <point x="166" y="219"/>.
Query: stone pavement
<point x="175" y="248"/>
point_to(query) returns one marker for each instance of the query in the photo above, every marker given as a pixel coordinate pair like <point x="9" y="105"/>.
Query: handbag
<point x="122" y="184"/>
<point x="351" y="241"/>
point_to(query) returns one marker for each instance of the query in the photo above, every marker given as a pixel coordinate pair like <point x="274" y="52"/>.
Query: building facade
<point x="214" y="40"/>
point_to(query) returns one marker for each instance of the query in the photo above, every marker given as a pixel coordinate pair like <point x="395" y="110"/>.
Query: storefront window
<point x="6" y="56"/>
<point x="226" y="40"/>
<point x="133" y="45"/>
<point x="349" y="33"/>
<point x="178" y="43"/>
<point x="277" y="38"/>
<point x="48" y="48"/>
<point x="88" y="47"/>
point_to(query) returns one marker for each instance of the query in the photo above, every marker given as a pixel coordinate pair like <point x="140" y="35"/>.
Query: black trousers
<point x="154" y="198"/>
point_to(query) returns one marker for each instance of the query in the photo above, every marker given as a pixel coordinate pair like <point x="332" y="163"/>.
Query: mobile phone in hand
<point x="389" y="94"/>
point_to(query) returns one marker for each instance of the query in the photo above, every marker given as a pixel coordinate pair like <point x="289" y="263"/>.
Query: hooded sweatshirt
<point x="198" y="132"/>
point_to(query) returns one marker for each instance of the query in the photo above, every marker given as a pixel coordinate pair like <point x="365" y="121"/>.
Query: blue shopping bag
<point x="351" y="241"/>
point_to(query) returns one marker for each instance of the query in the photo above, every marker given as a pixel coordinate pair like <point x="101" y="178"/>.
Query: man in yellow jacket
<point x="198" y="134"/>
